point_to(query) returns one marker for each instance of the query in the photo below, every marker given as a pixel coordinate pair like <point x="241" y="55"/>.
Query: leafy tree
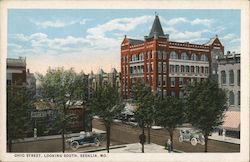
<point x="169" y="114"/>
<point x="63" y="88"/>
<point x="144" y="99"/>
<point x="205" y="106"/>
<point x="106" y="103"/>
<point x="19" y="102"/>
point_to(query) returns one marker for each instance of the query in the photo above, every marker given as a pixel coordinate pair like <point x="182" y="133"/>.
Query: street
<point x="125" y="134"/>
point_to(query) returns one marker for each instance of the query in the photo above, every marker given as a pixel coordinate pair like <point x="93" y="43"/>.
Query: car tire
<point x="74" y="145"/>
<point x="194" y="141"/>
<point x="97" y="142"/>
<point x="181" y="139"/>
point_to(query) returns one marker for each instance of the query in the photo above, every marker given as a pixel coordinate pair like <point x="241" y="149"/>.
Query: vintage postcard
<point x="124" y="80"/>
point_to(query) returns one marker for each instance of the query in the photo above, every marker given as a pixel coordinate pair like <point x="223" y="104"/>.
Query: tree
<point x="63" y="88"/>
<point x="19" y="103"/>
<point x="169" y="114"/>
<point x="205" y="106"/>
<point x="106" y="103"/>
<point x="144" y="99"/>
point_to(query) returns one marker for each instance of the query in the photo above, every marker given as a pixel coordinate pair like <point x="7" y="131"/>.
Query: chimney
<point x="28" y="71"/>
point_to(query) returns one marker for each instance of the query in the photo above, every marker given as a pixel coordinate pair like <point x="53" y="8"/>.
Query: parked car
<point x="193" y="137"/>
<point x="84" y="139"/>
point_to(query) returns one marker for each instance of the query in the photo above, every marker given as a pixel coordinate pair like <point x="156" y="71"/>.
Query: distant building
<point x="229" y="79"/>
<point x="101" y="78"/>
<point x="18" y="75"/>
<point x="166" y="65"/>
<point x="16" y="71"/>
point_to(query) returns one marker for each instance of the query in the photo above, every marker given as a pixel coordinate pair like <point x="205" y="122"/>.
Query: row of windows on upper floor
<point x="230" y="77"/>
<point x="163" y="68"/>
<point x="163" y="55"/>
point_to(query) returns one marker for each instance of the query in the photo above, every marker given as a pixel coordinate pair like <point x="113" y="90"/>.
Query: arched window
<point x="204" y="57"/>
<point x="223" y="77"/>
<point x="231" y="77"/>
<point x="184" y="56"/>
<point x="173" y="55"/>
<point x="231" y="98"/>
<point x="194" y="57"/>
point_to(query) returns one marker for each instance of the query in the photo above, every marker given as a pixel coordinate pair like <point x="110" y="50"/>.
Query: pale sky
<point x="90" y="39"/>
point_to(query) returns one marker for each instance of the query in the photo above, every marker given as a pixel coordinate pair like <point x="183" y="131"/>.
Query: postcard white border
<point x="243" y="5"/>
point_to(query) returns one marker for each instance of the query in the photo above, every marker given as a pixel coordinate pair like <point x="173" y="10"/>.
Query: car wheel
<point x="74" y="145"/>
<point x="97" y="142"/>
<point x="181" y="139"/>
<point x="194" y="141"/>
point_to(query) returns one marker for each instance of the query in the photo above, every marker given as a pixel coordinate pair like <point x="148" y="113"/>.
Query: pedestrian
<point x="169" y="145"/>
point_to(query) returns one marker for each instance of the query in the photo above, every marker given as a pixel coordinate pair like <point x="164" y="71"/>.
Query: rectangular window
<point x="206" y="70"/>
<point x="159" y="80"/>
<point x="164" y="80"/>
<point x="159" y="67"/>
<point x="182" y="69"/>
<point x="164" y="67"/>
<point x="172" y="81"/>
<point x="192" y="69"/>
<point x="238" y="77"/>
<point x="180" y="82"/>
<point x="171" y="68"/>
<point x="202" y="70"/>
<point x="197" y="69"/>
<point x="177" y="68"/>
<point x="164" y="55"/>
<point x="238" y="97"/>
<point x="187" y="69"/>
<point x="159" y="55"/>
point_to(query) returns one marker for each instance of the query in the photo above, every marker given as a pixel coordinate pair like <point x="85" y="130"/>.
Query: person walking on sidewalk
<point x="168" y="145"/>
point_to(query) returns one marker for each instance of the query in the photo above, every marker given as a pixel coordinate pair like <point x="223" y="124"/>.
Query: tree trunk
<point x="171" y="133"/>
<point x="63" y="129"/>
<point x="206" y="141"/>
<point x="148" y="127"/>
<point x="107" y="125"/>
<point x="9" y="145"/>
<point x="142" y="148"/>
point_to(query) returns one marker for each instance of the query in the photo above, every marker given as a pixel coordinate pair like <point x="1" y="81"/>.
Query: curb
<point x="224" y="141"/>
<point x="102" y="149"/>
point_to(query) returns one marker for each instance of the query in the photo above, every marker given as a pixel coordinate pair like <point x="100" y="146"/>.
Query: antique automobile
<point x="84" y="139"/>
<point x="193" y="137"/>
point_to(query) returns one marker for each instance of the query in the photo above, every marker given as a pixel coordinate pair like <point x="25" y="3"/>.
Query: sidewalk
<point x="136" y="148"/>
<point x="216" y="137"/>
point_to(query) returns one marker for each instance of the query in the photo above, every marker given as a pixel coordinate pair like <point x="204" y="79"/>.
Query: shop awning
<point x="231" y="121"/>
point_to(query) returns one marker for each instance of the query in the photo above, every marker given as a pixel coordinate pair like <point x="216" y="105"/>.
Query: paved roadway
<point x="122" y="134"/>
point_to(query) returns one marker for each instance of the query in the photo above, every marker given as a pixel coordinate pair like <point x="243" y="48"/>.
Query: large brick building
<point x="166" y="65"/>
